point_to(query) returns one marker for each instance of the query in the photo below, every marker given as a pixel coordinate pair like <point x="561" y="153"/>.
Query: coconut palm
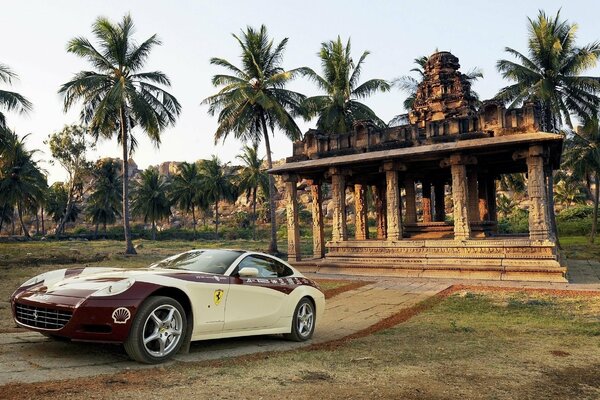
<point x="506" y="205"/>
<point x="551" y="73"/>
<point x="568" y="192"/>
<point x="582" y="157"/>
<point x="339" y="108"/>
<point x="105" y="201"/>
<point x="251" y="177"/>
<point x="150" y="198"/>
<point x="253" y="100"/>
<point x="11" y="101"/>
<point x="21" y="180"/>
<point x="409" y="84"/>
<point x="217" y="182"/>
<point x="186" y="190"/>
<point x="117" y="95"/>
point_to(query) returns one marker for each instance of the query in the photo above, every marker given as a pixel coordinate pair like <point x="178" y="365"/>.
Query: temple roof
<point x="431" y="152"/>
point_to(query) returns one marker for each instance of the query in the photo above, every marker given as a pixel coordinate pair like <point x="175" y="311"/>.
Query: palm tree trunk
<point x="124" y="139"/>
<point x="217" y="219"/>
<point x="254" y="213"/>
<point x="43" y="227"/>
<point x="96" y="230"/>
<point x="153" y="230"/>
<point x="37" y="223"/>
<point x="12" y="223"/>
<point x="20" y="212"/>
<point x="273" y="243"/>
<point x="595" y="217"/>
<point x="550" y="196"/>
<point x="105" y="232"/>
<point x="194" y="220"/>
<point x="2" y="217"/>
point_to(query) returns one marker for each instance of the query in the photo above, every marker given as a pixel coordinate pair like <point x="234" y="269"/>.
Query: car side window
<point x="267" y="267"/>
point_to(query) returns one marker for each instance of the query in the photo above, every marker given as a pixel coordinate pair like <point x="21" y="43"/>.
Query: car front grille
<point x="40" y="317"/>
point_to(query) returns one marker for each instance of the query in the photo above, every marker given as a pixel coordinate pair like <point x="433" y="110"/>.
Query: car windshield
<point x="208" y="261"/>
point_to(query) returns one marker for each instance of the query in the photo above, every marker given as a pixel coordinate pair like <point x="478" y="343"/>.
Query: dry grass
<point x="474" y="344"/>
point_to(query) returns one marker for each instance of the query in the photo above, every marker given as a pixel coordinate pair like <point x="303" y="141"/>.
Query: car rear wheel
<point x="303" y="321"/>
<point x="157" y="331"/>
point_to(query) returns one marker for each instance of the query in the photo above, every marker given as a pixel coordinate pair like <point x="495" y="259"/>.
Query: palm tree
<point x="150" y="198"/>
<point x="186" y="190"/>
<point x="21" y="180"/>
<point x="551" y="76"/>
<point x="582" y="157"/>
<point x="217" y="182"/>
<point x="11" y="101"/>
<point x="105" y="200"/>
<point x="117" y="95"/>
<point x="506" y="205"/>
<point x="551" y="73"/>
<point x="338" y="108"/>
<point x="409" y="84"/>
<point x="252" y="177"/>
<point x="568" y="192"/>
<point x="513" y="183"/>
<point x="253" y="100"/>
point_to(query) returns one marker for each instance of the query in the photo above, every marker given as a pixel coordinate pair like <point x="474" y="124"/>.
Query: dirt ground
<point x="470" y="343"/>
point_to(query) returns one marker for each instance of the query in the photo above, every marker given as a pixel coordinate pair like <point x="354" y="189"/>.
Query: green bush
<point x="574" y="227"/>
<point x="516" y="222"/>
<point x="576" y="212"/>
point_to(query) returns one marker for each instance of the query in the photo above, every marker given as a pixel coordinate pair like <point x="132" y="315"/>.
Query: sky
<point x="35" y="34"/>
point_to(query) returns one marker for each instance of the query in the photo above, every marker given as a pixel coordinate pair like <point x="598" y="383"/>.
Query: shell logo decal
<point x="218" y="296"/>
<point x="121" y="315"/>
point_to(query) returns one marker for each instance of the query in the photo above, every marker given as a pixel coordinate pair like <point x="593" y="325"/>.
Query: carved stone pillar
<point x="426" y="200"/>
<point x="439" y="201"/>
<point x="379" y="201"/>
<point x="293" y="228"/>
<point x="317" y="220"/>
<point x="482" y="198"/>
<point x="411" y="204"/>
<point x="539" y="222"/>
<point x="392" y="199"/>
<point x="460" y="196"/>
<point x="338" y="197"/>
<point x="473" y="193"/>
<point x="360" y="210"/>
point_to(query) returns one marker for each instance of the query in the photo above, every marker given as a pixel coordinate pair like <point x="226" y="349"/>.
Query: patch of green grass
<point x="580" y="248"/>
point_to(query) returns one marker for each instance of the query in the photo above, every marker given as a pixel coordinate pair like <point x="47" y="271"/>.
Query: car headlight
<point x="46" y="276"/>
<point x="115" y="288"/>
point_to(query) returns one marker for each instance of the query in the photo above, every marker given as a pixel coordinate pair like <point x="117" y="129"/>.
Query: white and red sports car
<point x="199" y="294"/>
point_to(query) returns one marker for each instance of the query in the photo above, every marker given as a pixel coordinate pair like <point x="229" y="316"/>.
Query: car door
<point x="210" y="296"/>
<point x="255" y="303"/>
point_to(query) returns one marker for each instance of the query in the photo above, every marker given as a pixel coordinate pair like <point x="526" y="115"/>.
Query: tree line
<point x="253" y="103"/>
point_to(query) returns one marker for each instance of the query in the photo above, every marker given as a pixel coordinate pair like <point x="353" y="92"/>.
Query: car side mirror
<point x="248" y="272"/>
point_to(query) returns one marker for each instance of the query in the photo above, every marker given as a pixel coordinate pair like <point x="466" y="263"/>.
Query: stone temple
<point x="452" y="149"/>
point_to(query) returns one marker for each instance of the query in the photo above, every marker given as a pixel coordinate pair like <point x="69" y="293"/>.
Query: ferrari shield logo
<point x="218" y="296"/>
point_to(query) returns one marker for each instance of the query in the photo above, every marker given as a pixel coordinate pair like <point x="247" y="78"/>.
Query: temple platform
<point x="518" y="259"/>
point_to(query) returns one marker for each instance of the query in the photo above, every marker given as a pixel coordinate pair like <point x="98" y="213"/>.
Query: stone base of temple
<point x="444" y="230"/>
<point x="496" y="259"/>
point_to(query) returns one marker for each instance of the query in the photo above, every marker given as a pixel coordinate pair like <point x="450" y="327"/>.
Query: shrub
<point x="576" y="212"/>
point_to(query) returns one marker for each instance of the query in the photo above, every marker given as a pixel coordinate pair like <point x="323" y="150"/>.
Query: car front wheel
<point x="303" y="321"/>
<point x="157" y="331"/>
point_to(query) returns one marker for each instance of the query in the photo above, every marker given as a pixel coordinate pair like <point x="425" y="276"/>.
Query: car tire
<point x="303" y="321"/>
<point x="157" y="331"/>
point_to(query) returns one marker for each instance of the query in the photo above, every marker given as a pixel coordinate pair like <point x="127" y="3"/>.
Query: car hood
<point x="82" y="282"/>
